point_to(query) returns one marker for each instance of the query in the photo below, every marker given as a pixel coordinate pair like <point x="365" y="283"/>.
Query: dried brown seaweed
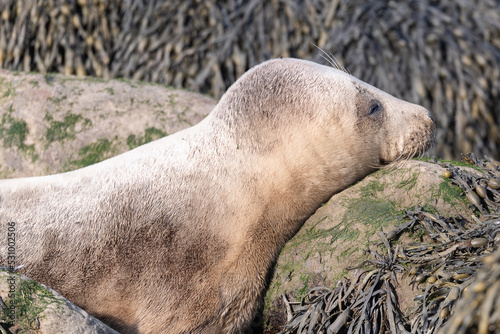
<point x="478" y="311"/>
<point x="483" y="189"/>
<point x="368" y="305"/>
<point x="443" y="266"/>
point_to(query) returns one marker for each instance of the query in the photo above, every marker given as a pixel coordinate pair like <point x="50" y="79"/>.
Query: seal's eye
<point x="375" y="107"/>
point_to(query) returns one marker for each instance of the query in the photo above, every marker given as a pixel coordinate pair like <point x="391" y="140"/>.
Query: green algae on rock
<point x="31" y="307"/>
<point x="53" y="123"/>
<point x="339" y="233"/>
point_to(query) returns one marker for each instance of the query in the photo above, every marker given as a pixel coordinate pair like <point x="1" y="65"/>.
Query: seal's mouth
<point x="414" y="145"/>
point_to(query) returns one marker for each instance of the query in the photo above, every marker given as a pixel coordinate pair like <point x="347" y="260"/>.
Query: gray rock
<point x="39" y="309"/>
<point x="55" y="123"/>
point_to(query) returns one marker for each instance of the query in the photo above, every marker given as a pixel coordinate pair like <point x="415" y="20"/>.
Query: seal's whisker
<point x="399" y="157"/>
<point x="412" y="154"/>
<point x="398" y="164"/>
<point x="341" y="67"/>
<point x="400" y="160"/>
<point x="392" y="166"/>
<point x="327" y="60"/>
<point x="325" y="56"/>
<point x="330" y="58"/>
<point x="416" y="153"/>
<point x="376" y="165"/>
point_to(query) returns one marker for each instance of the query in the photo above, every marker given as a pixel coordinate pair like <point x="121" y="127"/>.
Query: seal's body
<point x="180" y="235"/>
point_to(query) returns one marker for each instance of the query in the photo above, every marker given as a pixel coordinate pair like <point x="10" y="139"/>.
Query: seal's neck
<point x="276" y="188"/>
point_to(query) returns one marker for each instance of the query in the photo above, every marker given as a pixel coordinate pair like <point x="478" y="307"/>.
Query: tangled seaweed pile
<point x="368" y="305"/>
<point x="445" y="263"/>
<point x="444" y="55"/>
<point x="481" y="191"/>
<point x="479" y="309"/>
<point x="201" y="45"/>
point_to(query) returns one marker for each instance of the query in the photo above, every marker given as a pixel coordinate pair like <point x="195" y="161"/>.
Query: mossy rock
<point x="338" y="234"/>
<point x="31" y="307"/>
<point x="54" y="123"/>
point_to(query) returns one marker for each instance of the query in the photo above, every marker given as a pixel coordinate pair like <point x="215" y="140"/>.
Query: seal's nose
<point x="432" y="125"/>
<point x="428" y="120"/>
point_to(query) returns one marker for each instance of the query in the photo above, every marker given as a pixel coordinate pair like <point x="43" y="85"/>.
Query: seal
<point x="181" y="235"/>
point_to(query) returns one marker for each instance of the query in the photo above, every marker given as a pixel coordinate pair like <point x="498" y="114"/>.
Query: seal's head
<point x="315" y="114"/>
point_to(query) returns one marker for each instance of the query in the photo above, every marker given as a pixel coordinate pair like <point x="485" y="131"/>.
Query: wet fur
<point x="180" y="235"/>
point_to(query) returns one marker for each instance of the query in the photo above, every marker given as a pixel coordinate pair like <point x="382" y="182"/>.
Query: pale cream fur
<point x="180" y="235"/>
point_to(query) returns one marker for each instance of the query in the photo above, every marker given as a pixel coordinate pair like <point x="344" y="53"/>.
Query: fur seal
<point x="181" y="235"/>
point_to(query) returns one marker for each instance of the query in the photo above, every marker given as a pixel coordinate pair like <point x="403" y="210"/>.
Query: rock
<point x="336" y="236"/>
<point x="39" y="309"/>
<point x="55" y="123"/>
